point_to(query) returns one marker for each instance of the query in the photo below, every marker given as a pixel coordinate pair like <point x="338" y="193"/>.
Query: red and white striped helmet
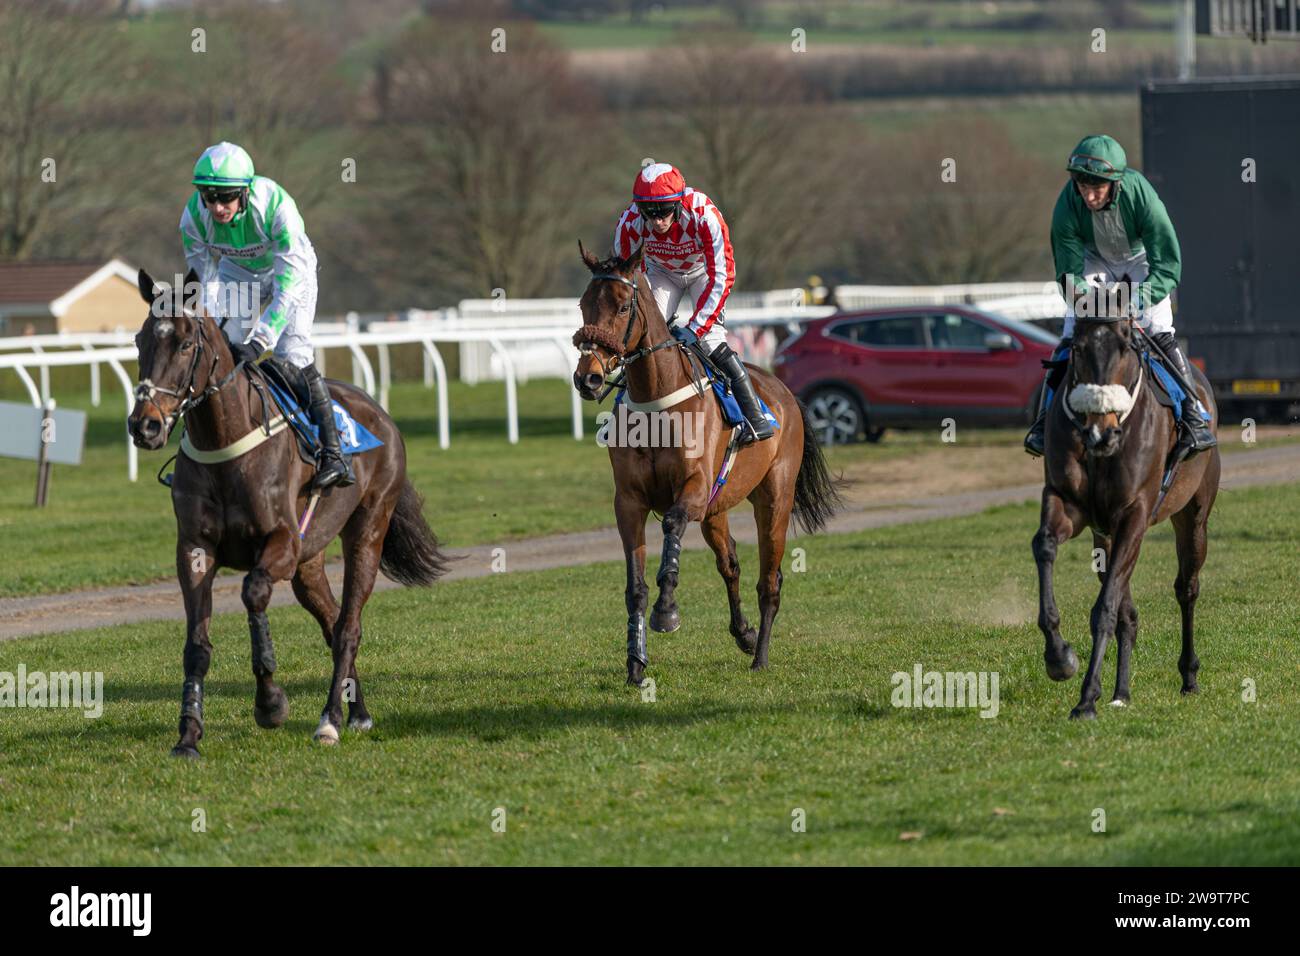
<point x="658" y="182"/>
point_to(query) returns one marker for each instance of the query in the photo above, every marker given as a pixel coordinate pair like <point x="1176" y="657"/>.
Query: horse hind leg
<point x="1189" y="537"/>
<point x="270" y="704"/>
<point x="312" y="589"/>
<point x="718" y="535"/>
<point x="772" y="516"/>
<point x="363" y="541"/>
<point x="1126" y="627"/>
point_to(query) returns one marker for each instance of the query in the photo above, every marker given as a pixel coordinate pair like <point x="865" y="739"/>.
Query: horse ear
<point x="587" y="257"/>
<point x="193" y="294"/>
<point x="633" y="262"/>
<point x="148" y="290"/>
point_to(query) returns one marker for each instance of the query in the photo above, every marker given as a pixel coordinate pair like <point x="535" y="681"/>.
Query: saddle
<point x="288" y="390"/>
<point x="721" y="385"/>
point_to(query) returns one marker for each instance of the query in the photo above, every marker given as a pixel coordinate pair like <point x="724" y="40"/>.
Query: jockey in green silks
<point x="245" y="240"/>
<point x="1109" y="223"/>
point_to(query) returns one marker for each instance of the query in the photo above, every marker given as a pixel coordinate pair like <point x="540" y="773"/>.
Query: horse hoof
<point x="747" y="641"/>
<point x="1195" y="688"/>
<point x="188" y="751"/>
<point x="326" y="734"/>
<point x="758" y="665"/>
<point x="635" y="672"/>
<point x="1119" y="702"/>
<point x="1063" y="670"/>
<point x="361" y="723"/>
<point x="274" y="716"/>
<point x="665" y="622"/>
<point x="1083" y="713"/>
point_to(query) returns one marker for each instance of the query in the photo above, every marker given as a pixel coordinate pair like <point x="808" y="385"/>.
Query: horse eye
<point x="187" y="345"/>
<point x="622" y="309"/>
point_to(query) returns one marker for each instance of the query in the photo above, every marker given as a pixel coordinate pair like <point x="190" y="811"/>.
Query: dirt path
<point x="885" y="493"/>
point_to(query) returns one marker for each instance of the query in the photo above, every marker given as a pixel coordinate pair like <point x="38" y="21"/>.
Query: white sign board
<point x="22" y="429"/>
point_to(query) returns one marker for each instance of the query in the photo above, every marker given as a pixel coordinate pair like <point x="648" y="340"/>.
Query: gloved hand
<point x="683" y="334"/>
<point x="249" y="352"/>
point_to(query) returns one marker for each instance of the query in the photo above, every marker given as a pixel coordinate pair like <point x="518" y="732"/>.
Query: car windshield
<point x="1026" y="329"/>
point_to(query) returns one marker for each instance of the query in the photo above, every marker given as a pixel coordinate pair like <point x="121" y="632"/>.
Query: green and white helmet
<point x="224" y="164"/>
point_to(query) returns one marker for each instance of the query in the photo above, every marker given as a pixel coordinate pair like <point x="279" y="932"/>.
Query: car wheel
<point x="835" y="416"/>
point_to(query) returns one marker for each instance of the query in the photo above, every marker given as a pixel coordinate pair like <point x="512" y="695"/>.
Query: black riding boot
<point x="1195" y="435"/>
<point x="759" y="427"/>
<point x="333" y="468"/>
<point x="1035" y="440"/>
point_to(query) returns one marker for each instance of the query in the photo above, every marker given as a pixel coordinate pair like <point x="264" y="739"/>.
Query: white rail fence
<point x="503" y="340"/>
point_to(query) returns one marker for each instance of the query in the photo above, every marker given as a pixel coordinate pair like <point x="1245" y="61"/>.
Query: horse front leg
<point x="692" y="501"/>
<point x="1059" y="523"/>
<point x="1126" y="544"/>
<point x="278" y="560"/>
<point x="195" y="569"/>
<point x="631" y="515"/>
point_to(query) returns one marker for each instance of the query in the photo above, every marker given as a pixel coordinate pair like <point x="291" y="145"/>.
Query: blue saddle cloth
<point x="1170" y="384"/>
<point x="354" y="437"/>
<point x="731" y="412"/>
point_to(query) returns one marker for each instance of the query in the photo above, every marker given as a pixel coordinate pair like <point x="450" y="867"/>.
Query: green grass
<point x="508" y="692"/>
<point x="98" y="529"/>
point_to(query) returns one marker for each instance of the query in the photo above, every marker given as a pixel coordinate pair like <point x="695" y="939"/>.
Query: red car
<point x="862" y="372"/>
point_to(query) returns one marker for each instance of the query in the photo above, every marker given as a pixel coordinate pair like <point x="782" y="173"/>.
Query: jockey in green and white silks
<point x="1109" y="223"/>
<point x="245" y="240"/>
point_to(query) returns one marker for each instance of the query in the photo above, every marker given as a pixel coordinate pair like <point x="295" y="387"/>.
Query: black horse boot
<point x="333" y="468"/>
<point x="727" y="360"/>
<point x="1195" y="435"/>
<point x="1035" y="440"/>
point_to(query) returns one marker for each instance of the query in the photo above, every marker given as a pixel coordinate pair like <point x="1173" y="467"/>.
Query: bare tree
<point x="755" y="141"/>
<point x="954" y="202"/>
<point x="487" y="156"/>
<point x="57" y="76"/>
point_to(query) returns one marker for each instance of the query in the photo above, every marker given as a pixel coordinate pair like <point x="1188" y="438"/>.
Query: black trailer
<point x="1224" y="155"/>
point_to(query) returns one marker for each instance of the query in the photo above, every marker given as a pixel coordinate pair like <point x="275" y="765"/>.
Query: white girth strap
<point x="669" y="400"/>
<point x="232" y="451"/>
<point x="1099" y="399"/>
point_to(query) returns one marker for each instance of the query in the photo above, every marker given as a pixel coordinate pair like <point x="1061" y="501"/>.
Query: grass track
<point x="508" y="692"/>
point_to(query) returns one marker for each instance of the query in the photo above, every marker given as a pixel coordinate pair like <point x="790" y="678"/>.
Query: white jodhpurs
<point x="1098" y="272"/>
<point x="673" y="293"/>
<point x="241" y="297"/>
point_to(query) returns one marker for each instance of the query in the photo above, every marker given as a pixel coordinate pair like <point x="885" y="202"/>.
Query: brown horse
<point x="784" y="475"/>
<point x="1109" y="443"/>
<point x="242" y="511"/>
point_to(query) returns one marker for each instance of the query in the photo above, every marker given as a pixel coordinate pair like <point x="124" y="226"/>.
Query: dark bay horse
<point x="1108" y="444"/>
<point x="783" y="476"/>
<point x="243" y="512"/>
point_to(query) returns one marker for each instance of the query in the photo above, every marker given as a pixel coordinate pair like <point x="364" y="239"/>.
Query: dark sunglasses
<point x="211" y="195"/>
<point x="657" y="212"/>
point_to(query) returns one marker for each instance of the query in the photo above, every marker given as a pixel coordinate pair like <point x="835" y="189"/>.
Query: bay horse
<point x="782" y="476"/>
<point x="1109" y="445"/>
<point x="242" y="511"/>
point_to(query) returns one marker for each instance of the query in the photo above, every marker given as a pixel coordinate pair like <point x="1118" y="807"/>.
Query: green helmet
<point x="224" y="165"/>
<point x="1100" y="157"/>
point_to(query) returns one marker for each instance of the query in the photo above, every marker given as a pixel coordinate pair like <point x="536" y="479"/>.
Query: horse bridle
<point x="1131" y="389"/>
<point x="145" y="390"/>
<point x="623" y="358"/>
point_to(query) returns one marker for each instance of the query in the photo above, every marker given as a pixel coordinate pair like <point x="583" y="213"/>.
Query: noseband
<point x="1102" y="395"/>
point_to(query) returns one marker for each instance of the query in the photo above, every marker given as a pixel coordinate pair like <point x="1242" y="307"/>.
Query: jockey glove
<point x="683" y="334"/>
<point x="249" y="352"/>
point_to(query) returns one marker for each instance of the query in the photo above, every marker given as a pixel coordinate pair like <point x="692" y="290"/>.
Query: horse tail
<point x="816" y="491"/>
<point x="411" y="555"/>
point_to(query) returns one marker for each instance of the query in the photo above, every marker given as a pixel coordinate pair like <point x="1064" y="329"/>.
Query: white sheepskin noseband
<point x="1100" y="399"/>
